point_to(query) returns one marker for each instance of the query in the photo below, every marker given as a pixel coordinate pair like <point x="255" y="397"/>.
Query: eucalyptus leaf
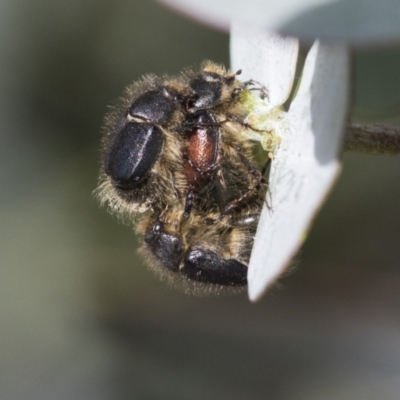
<point x="359" y="22"/>
<point x="306" y="163"/>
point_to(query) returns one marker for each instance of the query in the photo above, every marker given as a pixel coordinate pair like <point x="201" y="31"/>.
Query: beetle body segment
<point x="156" y="106"/>
<point x="133" y="153"/>
<point x="202" y="146"/>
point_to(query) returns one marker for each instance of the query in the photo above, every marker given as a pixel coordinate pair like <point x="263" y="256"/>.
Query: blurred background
<point x="80" y="315"/>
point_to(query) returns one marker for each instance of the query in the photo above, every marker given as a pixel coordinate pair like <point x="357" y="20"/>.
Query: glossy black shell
<point x="156" y="106"/>
<point x="207" y="91"/>
<point x="133" y="153"/>
<point x="197" y="264"/>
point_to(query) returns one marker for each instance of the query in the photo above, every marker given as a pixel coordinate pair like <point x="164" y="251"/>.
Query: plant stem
<point x="372" y="139"/>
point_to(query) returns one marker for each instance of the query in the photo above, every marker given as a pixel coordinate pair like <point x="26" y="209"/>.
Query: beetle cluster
<point x="174" y="156"/>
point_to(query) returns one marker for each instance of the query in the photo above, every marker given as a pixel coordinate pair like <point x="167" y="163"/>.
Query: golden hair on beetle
<point x="177" y="165"/>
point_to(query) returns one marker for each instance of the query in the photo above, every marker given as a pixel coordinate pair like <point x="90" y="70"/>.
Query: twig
<point x="372" y="139"/>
